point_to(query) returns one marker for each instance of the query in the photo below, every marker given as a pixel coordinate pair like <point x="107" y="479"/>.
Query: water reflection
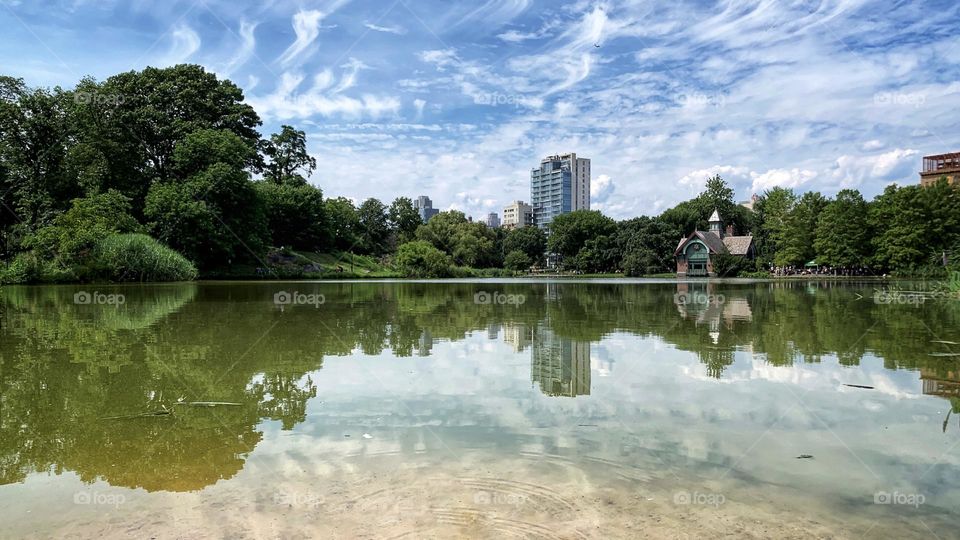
<point x="65" y="367"/>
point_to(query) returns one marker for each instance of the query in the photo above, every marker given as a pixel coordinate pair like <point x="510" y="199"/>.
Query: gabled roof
<point x="738" y="245"/>
<point x="711" y="240"/>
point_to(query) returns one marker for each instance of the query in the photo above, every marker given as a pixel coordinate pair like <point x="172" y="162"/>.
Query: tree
<point x="570" y="232"/>
<point x="287" y="156"/>
<point x="421" y="259"/>
<point x="773" y="209"/>
<point x="517" y="261"/>
<point x="404" y="220"/>
<point x="343" y="224"/>
<point x="529" y="240"/>
<point x="598" y="254"/>
<point x="800" y="230"/>
<point x="646" y="245"/>
<point x="295" y="215"/>
<point x="374" y="227"/>
<point x="841" y="233"/>
<point x="90" y="219"/>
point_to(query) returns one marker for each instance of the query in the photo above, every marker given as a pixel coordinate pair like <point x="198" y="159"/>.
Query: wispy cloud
<point x="398" y="30"/>
<point x="306" y="26"/>
<point x="247" y="47"/>
<point x="184" y="42"/>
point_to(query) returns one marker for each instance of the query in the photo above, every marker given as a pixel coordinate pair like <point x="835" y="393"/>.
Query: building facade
<point x="560" y="185"/>
<point x="517" y="214"/>
<point x="424" y="207"/>
<point x="940" y="166"/>
<point x="493" y="220"/>
<point x="695" y="253"/>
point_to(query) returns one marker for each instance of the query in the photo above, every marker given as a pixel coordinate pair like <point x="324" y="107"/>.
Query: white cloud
<point x="895" y="165"/>
<point x="398" y="30"/>
<point x="184" y="43"/>
<point x="306" y="26"/>
<point x="286" y="102"/>
<point x="247" y="46"/>
<point x="601" y="188"/>
<point x="786" y="178"/>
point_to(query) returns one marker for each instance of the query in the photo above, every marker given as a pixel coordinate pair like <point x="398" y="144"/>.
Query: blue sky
<point x="458" y="100"/>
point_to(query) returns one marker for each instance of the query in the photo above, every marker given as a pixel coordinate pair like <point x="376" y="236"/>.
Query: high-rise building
<point x="424" y="207"/>
<point x="560" y="185"/>
<point x="493" y="220"/>
<point x="560" y="366"/>
<point x="517" y="214"/>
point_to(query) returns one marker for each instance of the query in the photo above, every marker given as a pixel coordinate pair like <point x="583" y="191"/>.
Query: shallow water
<point x="488" y="408"/>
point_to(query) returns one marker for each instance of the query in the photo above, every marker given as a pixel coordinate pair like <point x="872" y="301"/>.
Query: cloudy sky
<point x="458" y="100"/>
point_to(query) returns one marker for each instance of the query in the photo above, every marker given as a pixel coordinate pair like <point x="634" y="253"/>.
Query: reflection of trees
<point x="64" y="367"/>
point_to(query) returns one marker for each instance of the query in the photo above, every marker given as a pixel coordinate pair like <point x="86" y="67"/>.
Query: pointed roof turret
<point x="715" y="217"/>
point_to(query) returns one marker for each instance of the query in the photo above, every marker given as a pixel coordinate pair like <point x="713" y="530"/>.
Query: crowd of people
<point x="786" y="271"/>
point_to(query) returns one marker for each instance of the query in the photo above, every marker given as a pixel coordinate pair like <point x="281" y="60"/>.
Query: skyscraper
<point x="493" y="220"/>
<point x="424" y="207"/>
<point x="561" y="184"/>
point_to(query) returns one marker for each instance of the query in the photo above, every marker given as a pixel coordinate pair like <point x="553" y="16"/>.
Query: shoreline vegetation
<point x="162" y="175"/>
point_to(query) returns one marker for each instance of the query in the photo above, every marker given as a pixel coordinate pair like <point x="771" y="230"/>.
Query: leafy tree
<point x="800" y="230"/>
<point x="773" y="209"/>
<point x="295" y="214"/>
<point x="569" y="232"/>
<point x="517" y="261"/>
<point x="598" y="254"/>
<point x="404" y="220"/>
<point x="287" y="156"/>
<point x="344" y="230"/>
<point x="913" y="226"/>
<point x="421" y="259"/>
<point x="842" y="237"/>
<point x="442" y="230"/>
<point x="90" y="219"/>
<point x="646" y="245"/>
<point x="531" y="241"/>
<point x="374" y="227"/>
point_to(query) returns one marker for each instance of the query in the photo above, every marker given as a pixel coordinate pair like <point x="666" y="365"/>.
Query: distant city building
<point x="493" y="220"/>
<point x="517" y="214"/>
<point x="560" y="185"/>
<point x="940" y="166"/>
<point x="424" y="207"/>
<point x="749" y="204"/>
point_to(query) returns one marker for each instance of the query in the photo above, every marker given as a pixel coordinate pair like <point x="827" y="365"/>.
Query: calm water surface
<point x="489" y="408"/>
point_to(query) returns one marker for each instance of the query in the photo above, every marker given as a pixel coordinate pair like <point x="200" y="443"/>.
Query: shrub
<point x="138" y="257"/>
<point x="421" y="259"/>
<point x="517" y="261"/>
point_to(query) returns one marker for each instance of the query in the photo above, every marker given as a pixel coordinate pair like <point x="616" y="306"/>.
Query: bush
<point x="138" y="257"/>
<point x="420" y="259"/>
<point x="517" y="261"/>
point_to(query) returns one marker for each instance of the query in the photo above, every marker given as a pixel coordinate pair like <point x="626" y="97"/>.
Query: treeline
<point x="162" y="174"/>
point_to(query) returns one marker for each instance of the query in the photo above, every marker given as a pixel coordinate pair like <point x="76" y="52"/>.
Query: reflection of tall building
<point x="519" y="335"/>
<point x="493" y="331"/>
<point x="559" y="365"/>
<point x="601" y="362"/>
<point x="425" y="344"/>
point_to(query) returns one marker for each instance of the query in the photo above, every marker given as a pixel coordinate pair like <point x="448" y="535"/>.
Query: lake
<point x="491" y="408"/>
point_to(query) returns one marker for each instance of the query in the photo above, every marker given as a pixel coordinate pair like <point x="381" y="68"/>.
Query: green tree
<point x="569" y="232"/>
<point x="343" y="224"/>
<point x="374" y="227"/>
<point x="404" y="220"/>
<point x="800" y="231"/>
<point x="421" y="259"/>
<point x="287" y="157"/>
<point x="646" y="245"/>
<point x="529" y="240"/>
<point x="517" y="261"/>
<point x="90" y="219"/>
<point x="841" y="235"/>
<point x="773" y="209"/>
<point x="295" y="214"/>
